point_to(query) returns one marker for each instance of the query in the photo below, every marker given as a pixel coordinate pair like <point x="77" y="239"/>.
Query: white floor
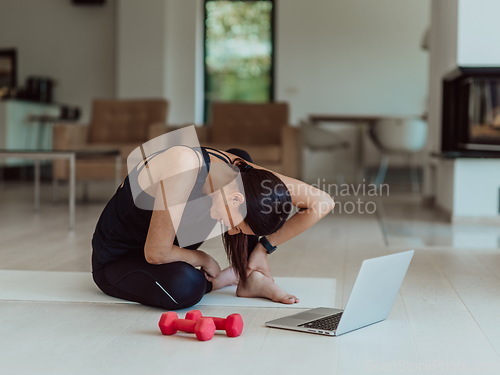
<point x="446" y="319"/>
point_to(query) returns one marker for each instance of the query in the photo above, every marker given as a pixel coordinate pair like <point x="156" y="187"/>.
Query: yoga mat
<point x="55" y="286"/>
<point x="312" y="292"/>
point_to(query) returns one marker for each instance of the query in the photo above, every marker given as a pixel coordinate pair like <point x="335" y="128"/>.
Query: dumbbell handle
<point x="220" y="323"/>
<point x="233" y="324"/>
<point x="185" y="325"/>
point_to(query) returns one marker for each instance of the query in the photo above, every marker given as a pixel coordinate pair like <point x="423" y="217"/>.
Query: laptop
<point x="371" y="299"/>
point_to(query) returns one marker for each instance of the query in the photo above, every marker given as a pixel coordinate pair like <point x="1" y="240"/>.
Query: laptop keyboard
<point x="328" y="323"/>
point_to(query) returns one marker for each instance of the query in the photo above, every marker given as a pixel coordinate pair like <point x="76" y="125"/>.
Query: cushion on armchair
<point x="115" y="124"/>
<point x="248" y="123"/>
<point x="124" y="121"/>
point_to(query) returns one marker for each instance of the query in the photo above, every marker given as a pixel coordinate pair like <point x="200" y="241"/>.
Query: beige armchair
<point x="262" y="130"/>
<point x="114" y="124"/>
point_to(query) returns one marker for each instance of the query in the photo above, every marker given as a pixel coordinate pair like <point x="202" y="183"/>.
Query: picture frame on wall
<point x="8" y="71"/>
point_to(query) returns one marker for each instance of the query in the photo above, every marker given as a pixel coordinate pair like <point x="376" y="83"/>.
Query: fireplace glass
<point x="471" y="111"/>
<point x="484" y="111"/>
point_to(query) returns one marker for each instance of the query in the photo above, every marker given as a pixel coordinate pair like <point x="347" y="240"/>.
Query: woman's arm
<point x="313" y="205"/>
<point x="172" y="193"/>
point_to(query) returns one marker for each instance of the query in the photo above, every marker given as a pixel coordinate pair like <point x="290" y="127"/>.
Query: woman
<point x="136" y="254"/>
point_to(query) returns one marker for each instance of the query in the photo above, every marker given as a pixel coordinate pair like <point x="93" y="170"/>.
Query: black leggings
<point x="170" y="286"/>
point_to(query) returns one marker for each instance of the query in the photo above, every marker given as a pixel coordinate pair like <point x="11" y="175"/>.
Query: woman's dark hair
<point x="268" y="205"/>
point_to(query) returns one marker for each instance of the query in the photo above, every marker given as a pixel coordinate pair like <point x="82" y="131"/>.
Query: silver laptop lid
<point x="374" y="291"/>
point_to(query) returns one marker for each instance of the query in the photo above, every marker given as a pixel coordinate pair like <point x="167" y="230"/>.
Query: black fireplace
<point x="471" y="112"/>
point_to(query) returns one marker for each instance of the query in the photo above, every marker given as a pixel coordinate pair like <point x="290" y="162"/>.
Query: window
<point x="239" y="51"/>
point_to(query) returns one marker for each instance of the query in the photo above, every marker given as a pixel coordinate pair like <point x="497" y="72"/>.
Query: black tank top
<point x="123" y="226"/>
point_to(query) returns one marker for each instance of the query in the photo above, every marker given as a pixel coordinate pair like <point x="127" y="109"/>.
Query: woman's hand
<point x="209" y="267"/>
<point x="258" y="261"/>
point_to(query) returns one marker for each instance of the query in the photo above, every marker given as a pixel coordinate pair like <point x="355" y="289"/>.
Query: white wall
<point x="469" y="189"/>
<point x="443" y="59"/>
<point x="477" y="188"/>
<point x="184" y="66"/>
<point x="352" y="56"/>
<point x="141" y="48"/>
<point x="158" y="47"/>
<point x="479" y="33"/>
<point x="75" y="45"/>
<point x="443" y="45"/>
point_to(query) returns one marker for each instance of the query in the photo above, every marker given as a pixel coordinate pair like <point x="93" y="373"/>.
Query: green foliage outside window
<point x="238" y="55"/>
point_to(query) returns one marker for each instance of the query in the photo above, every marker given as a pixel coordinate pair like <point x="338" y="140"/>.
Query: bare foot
<point x="260" y="285"/>
<point x="226" y="277"/>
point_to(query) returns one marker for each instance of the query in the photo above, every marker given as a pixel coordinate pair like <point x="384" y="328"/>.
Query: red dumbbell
<point x="203" y="328"/>
<point x="233" y="324"/>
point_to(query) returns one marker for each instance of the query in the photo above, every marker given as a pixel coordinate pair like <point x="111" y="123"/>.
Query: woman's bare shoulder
<point x="174" y="161"/>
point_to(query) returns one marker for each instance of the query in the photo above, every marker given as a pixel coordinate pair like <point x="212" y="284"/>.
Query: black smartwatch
<point x="265" y="242"/>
